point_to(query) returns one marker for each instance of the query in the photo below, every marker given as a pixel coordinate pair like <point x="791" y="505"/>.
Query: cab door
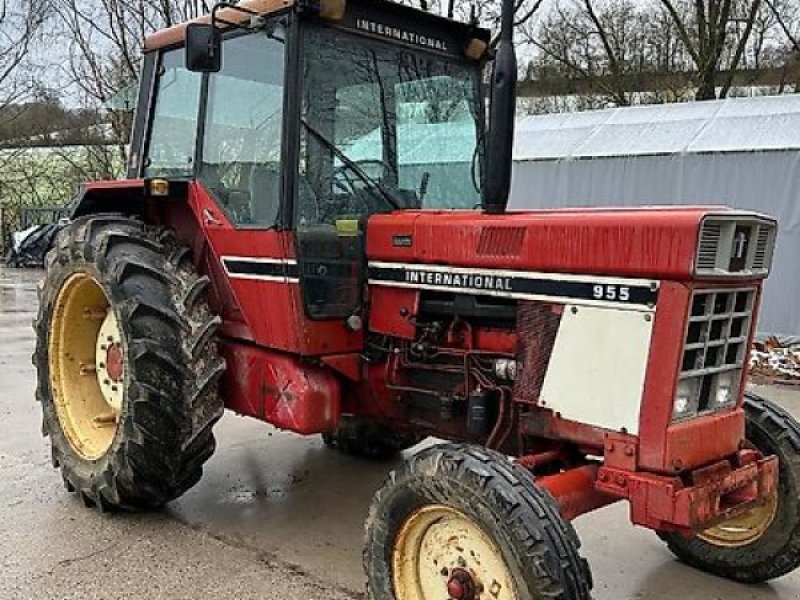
<point x="241" y="168"/>
<point x="347" y="146"/>
<point x="226" y="130"/>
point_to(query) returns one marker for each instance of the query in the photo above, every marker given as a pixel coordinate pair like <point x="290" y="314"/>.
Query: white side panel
<point x="597" y="368"/>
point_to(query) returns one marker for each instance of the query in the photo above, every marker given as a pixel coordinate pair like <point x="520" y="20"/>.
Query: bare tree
<point x="20" y="21"/>
<point x="105" y="51"/>
<point x="785" y="13"/>
<point x="487" y="13"/>
<point x="715" y="33"/>
<point x="629" y="51"/>
<point x="607" y="46"/>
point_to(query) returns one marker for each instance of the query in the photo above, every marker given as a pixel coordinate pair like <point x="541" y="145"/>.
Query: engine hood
<point x="639" y="242"/>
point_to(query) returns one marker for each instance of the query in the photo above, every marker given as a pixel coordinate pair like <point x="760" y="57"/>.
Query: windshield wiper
<point x="353" y="166"/>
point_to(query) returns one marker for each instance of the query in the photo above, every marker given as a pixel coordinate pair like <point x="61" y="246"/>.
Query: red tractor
<point x="313" y="233"/>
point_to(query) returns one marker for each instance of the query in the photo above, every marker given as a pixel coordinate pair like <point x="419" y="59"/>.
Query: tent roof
<point x="732" y="125"/>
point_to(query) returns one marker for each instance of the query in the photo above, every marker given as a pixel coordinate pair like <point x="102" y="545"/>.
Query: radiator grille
<point x="716" y="343"/>
<point x="501" y="241"/>
<point x="537" y="326"/>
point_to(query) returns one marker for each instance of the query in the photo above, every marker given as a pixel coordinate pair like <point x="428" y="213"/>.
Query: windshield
<point x="387" y="125"/>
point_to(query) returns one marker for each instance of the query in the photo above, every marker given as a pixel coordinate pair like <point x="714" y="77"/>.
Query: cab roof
<point x="176" y="34"/>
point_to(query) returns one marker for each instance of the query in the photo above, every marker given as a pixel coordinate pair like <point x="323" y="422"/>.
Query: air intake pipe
<point x="502" y="112"/>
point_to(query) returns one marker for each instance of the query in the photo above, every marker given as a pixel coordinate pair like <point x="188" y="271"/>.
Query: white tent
<point x="744" y="153"/>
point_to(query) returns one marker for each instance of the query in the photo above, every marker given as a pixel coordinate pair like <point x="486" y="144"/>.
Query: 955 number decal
<point x="620" y="293"/>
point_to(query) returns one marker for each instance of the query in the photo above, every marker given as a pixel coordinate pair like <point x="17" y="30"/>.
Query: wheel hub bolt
<point x="461" y="586"/>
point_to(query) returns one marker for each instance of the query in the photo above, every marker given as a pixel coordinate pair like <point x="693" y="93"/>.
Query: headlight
<point x="723" y="395"/>
<point x="686" y="400"/>
<point x="705" y="395"/>
<point x="726" y="388"/>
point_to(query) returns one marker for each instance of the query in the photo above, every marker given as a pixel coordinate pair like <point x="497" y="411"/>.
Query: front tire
<point x="128" y="369"/>
<point x="465" y="522"/>
<point x="763" y="543"/>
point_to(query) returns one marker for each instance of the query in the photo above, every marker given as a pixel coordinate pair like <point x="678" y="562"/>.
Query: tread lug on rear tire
<point x="490" y="508"/>
<point x="774" y="550"/>
<point x="170" y="399"/>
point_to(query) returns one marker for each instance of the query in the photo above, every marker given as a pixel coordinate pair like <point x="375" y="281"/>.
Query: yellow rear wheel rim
<point x="87" y="400"/>
<point x="745" y="529"/>
<point x="439" y="549"/>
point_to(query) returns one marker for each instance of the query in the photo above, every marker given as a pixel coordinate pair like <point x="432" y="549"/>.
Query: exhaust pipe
<point x="502" y="113"/>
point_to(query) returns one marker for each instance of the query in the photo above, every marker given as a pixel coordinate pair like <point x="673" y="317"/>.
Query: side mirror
<point x="203" y="48"/>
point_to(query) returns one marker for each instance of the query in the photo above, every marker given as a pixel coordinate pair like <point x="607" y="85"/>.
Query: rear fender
<point x="126" y="196"/>
<point x="175" y="211"/>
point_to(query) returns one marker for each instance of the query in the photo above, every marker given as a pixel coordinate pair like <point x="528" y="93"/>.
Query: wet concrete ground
<point x="276" y="516"/>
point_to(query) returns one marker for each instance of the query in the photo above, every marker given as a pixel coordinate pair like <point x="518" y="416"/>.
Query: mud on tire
<point x="170" y="398"/>
<point x="777" y="551"/>
<point x="538" y="547"/>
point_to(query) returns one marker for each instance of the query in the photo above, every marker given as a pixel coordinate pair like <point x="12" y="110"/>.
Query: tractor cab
<point x="294" y="124"/>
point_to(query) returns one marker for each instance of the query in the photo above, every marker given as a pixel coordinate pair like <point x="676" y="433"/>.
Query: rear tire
<point x="773" y="549"/>
<point x="469" y="517"/>
<point x="151" y="445"/>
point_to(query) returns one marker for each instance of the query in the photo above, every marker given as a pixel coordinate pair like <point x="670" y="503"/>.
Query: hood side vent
<point x="763" y="245"/>
<point x="735" y="245"/>
<point x="709" y="244"/>
<point x="501" y="242"/>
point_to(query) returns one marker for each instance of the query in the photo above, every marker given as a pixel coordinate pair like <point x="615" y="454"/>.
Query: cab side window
<point x="173" y="131"/>
<point x="241" y="155"/>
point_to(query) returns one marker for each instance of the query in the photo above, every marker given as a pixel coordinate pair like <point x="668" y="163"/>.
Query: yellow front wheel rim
<point x="85" y="356"/>
<point x="440" y="553"/>
<point x="744" y="529"/>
